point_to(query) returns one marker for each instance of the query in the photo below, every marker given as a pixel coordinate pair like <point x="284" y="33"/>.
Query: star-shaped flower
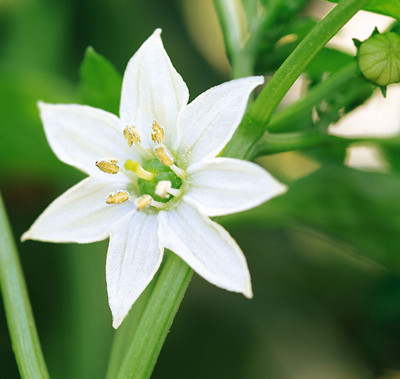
<point x="155" y="178"/>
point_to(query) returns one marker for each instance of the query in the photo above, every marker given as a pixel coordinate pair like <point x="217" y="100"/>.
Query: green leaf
<point x="385" y="7"/>
<point x="328" y="60"/>
<point x="21" y="324"/>
<point x="355" y="207"/>
<point x="101" y="83"/>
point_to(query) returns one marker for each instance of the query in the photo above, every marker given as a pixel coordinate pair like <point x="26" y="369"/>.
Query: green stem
<point x="228" y="18"/>
<point x="278" y="143"/>
<point x="256" y="120"/>
<point x="334" y="83"/>
<point x="24" y="337"/>
<point x="124" y="335"/>
<point x="157" y="319"/>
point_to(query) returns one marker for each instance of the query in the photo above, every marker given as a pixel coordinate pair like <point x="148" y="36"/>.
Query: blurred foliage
<point x="323" y="258"/>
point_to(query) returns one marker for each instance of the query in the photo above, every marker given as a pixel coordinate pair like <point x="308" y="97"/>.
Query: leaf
<point x="327" y="60"/>
<point x="386" y="7"/>
<point x="100" y="84"/>
<point x="355" y="207"/>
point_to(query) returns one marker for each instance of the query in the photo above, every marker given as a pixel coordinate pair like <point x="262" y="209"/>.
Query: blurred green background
<point x="324" y="258"/>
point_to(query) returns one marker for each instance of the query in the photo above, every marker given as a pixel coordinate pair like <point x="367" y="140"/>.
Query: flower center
<point x="157" y="191"/>
<point x="157" y="182"/>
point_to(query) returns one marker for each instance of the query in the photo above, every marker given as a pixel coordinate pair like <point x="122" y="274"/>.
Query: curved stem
<point x="24" y="337"/>
<point x="335" y="82"/>
<point x="278" y="143"/>
<point x="256" y="120"/>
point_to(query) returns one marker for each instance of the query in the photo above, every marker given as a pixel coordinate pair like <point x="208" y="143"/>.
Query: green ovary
<point x="162" y="172"/>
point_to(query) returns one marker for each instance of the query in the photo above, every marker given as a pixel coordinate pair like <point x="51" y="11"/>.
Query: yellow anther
<point x="164" y="155"/>
<point x="143" y="201"/>
<point x="162" y="189"/>
<point x="139" y="171"/>
<point x="117" y="197"/>
<point x="157" y="132"/>
<point x="109" y="166"/>
<point x="132" y="135"/>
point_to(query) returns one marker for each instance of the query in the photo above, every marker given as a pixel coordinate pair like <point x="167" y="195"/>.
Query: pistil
<point x="139" y="171"/>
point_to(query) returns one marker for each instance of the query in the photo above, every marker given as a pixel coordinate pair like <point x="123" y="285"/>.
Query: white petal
<point x="224" y="185"/>
<point x="209" y="121"/>
<point x="80" y="214"/>
<point x="134" y="256"/>
<point x="152" y="90"/>
<point x="205" y="246"/>
<point x="80" y="135"/>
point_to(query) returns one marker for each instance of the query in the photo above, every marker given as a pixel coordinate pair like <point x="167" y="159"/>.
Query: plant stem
<point x="157" y="319"/>
<point x="278" y="143"/>
<point x="24" y="337"/>
<point x="256" y="120"/>
<point x="335" y="82"/>
<point x="124" y="335"/>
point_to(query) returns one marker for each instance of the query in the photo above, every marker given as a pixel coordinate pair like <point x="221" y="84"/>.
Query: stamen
<point x="117" y="197"/>
<point x="158" y="204"/>
<point x="132" y="135"/>
<point x="157" y="132"/>
<point x="162" y="189"/>
<point x="164" y="155"/>
<point x="138" y="170"/>
<point x="109" y="166"/>
<point x="178" y="171"/>
<point x="174" y="192"/>
<point x="143" y="201"/>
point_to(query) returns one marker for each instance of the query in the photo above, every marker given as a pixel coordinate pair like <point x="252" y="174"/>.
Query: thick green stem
<point x="157" y="319"/>
<point x="256" y="120"/>
<point x="24" y="337"/>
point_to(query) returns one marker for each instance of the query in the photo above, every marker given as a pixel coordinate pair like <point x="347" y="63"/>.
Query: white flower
<point x="154" y="178"/>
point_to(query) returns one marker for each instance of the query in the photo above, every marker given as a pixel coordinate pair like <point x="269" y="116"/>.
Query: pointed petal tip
<point x="248" y="292"/>
<point x="282" y="189"/>
<point x="117" y="322"/>
<point x="25" y="236"/>
<point x="157" y="32"/>
<point x="41" y="105"/>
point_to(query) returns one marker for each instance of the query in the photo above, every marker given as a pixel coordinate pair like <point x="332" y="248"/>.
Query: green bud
<point x="379" y="58"/>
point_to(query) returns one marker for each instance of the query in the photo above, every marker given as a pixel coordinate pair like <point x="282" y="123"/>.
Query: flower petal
<point x="207" y="124"/>
<point x="224" y="185"/>
<point x="205" y="246"/>
<point x="152" y="90"/>
<point x="134" y="256"/>
<point x="80" y="214"/>
<point x="80" y="135"/>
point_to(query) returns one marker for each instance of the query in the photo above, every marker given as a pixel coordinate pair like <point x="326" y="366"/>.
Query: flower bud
<point x="379" y="58"/>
